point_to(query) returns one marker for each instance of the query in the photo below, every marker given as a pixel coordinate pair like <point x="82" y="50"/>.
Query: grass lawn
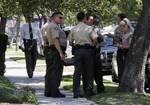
<point x="11" y="52"/>
<point x="19" y="57"/>
<point x="111" y="97"/>
<point x="9" y="94"/>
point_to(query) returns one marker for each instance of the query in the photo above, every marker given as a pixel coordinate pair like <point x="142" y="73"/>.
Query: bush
<point x="9" y="93"/>
<point x="28" y="95"/>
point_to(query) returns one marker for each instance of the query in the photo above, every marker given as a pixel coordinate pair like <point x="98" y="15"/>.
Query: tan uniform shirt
<point x="51" y="32"/>
<point x="81" y="34"/>
<point x="44" y="33"/>
<point x="62" y="38"/>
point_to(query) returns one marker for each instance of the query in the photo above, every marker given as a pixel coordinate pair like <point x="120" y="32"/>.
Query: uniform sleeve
<point x="93" y="33"/>
<point x="55" y="32"/>
<point x="70" y="36"/>
<point x="43" y="29"/>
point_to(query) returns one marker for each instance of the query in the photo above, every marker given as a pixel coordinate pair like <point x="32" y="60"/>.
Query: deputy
<point x="91" y="21"/>
<point x="81" y="38"/>
<point x="54" y="56"/>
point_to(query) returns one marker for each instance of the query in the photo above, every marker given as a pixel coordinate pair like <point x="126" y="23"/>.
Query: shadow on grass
<point x="9" y="93"/>
<point x="21" y="58"/>
<point x="17" y="58"/>
<point x="68" y="81"/>
<point x="40" y="57"/>
<point x="24" y="80"/>
<point x="111" y="97"/>
<point x="67" y="78"/>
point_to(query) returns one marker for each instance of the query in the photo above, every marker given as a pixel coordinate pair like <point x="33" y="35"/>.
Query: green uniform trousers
<point x="54" y="69"/>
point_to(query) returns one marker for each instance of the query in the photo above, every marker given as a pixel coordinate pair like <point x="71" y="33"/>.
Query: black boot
<point x="100" y="89"/>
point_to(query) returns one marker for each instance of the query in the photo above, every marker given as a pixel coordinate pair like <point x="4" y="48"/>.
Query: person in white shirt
<point x="30" y="35"/>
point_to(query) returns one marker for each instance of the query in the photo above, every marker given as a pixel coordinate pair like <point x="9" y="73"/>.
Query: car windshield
<point x="107" y="41"/>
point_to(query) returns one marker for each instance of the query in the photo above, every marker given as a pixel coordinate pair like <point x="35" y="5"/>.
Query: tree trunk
<point x="17" y="30"/>
<point x="3" y="37"/>
<point x="3" y="44"/>
<point x="2" y="24"/>
<point x="134" y="74"/>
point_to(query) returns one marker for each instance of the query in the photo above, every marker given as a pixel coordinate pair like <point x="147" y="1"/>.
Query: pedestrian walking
<point x="29" y="37"/>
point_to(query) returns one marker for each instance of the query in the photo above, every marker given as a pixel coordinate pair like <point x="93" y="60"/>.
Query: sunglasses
<point x="60" y="17"/>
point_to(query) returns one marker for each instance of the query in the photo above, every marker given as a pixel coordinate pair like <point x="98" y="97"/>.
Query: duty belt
<point x="29" y="40"/>
<point x="51" y="47"/>
<point x="85" y="46"/>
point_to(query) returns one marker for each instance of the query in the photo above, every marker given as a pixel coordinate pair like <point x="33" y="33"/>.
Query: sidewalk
<point x="17" y="74"/>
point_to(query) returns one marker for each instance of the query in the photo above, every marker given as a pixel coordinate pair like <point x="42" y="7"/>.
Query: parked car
<point x="108" y="53"/>
<point x="67" y="29"/>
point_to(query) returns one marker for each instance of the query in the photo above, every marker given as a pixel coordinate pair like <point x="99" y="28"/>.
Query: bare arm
<point x="94" y="37"/>
<point x="70" y="38"/>
<point x="71" y="43"/>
